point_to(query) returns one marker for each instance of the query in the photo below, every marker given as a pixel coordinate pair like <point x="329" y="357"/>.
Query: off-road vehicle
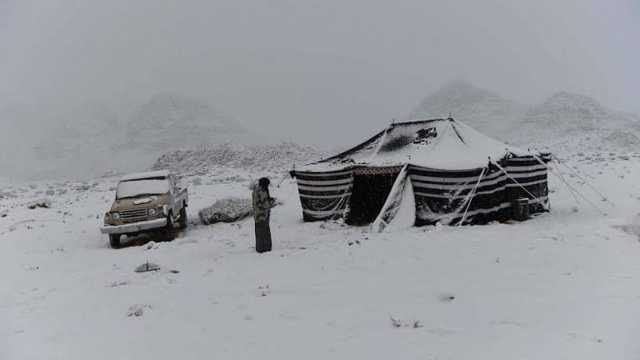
<point x="146" y="202"/>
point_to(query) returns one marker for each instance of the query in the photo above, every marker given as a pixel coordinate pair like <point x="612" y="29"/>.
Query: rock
<point x="398" y="323"/>
<point x="147" y="267"/>
<point x="447" y="297"/>
<point x="226" y="210"/>
<point x="42" y="203"/>
<point x="137" y="310"/>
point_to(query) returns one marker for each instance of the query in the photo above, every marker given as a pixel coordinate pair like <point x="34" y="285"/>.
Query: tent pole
<point x="473" y="192"/>
<point x="520" y="185"/>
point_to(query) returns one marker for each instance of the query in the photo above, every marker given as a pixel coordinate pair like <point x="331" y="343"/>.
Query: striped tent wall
<point x="440" y="195"/>
<point x="443" y="196"/>
<point x="531" y="173"/>
<point x="448" y="196"/>
<point x="324" y="195"/>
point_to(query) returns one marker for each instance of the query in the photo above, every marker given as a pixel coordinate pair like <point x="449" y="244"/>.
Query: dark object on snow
<point x="137" y="310"/>
<point x="520" y="209"/>
<point x="397" y="323"/>
<point x="262" y="204"/>
<point x="44" y="203"/>
<point x="447" y="297"/>
<point x="226" y="210"/>
<point x="147" y="267"/>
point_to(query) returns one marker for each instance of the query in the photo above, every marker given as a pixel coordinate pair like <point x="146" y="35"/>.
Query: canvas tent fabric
<point x="457" y="176"/>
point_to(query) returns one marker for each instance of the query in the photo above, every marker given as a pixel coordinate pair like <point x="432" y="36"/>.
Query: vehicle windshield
<point x="135" y="188"/>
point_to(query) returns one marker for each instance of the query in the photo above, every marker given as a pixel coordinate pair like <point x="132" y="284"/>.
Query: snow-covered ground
<point x="560" y="286"/>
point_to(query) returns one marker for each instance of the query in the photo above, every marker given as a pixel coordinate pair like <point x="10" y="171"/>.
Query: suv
<point x="146" y="202"/>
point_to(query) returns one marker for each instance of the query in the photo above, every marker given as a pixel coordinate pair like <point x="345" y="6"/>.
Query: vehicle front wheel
<point x="169" y="230"/>
<point x="182" y="222"/>
<point x="114" y="241"/>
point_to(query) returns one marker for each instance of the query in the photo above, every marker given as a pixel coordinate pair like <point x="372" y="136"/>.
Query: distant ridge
<point x="176" y="121"/>
<point x="566" y="121"/>
<point x="479" y="108"/>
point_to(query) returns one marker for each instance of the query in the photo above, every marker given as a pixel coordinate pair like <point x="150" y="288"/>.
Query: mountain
<point x="272" y="158"/>
<point x="479" y="108"/>
<point x="172" y="121"/>
<point x="87" y="139"/>
<point x="575" y="121"/>
<point x="572" y="112"/>
<point x="564" y="122"/>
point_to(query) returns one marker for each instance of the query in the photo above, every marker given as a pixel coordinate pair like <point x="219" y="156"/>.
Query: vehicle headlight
<point x="152" y="212"/>
<point x="115" y="216"/>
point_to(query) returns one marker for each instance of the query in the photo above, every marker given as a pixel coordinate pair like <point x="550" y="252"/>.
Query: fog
<point x="315" y="71"/>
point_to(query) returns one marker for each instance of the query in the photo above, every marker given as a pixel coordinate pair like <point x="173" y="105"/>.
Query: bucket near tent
<point x="457" y="176"/>
<point x="520" y="209"/>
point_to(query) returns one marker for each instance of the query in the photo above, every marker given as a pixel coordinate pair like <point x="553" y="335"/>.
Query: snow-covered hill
<point x="172" y="121"/>
<point x="272" y="159"/>
<point x="479" y="108"/>
<point x="565" y="122"/>
<point x="46" y="141"/>
<point x="572" y="122"/>
<point x="91" y="138"/>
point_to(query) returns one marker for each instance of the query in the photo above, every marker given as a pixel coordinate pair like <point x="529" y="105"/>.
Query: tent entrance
<point x="371" y="186"/>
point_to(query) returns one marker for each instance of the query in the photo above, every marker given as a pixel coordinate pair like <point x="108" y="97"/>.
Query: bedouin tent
<point x="446" y="171"/>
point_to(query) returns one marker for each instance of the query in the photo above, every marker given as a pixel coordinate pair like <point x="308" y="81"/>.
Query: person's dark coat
<point x="262" y="204"/>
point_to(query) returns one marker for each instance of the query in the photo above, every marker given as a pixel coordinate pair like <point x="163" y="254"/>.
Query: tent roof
<point x="438" y="143"/>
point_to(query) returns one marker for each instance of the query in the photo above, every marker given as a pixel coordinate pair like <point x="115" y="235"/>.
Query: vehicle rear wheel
<point x="169" y="232"/>
<point x="182" y="222"/>
<point x="114" y="241"/>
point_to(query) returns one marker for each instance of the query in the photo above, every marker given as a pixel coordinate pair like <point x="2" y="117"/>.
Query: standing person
<point x="262" y="204"/>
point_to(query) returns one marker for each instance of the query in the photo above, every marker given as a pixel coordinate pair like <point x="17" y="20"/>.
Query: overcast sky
<point x="316" y="69"/>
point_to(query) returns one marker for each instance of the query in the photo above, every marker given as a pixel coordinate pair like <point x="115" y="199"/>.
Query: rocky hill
<point x="252" y="158"/>
<point x="573" y="121"/>
<point x="176" y="121"/>
<point x="564" y="122"/>
<point x="480" y="108"/>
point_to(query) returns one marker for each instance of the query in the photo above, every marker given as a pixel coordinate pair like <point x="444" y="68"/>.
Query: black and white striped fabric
<point x="479" y="195"/>
<point x="472" y="196"/>
<point x="324" y="195"/>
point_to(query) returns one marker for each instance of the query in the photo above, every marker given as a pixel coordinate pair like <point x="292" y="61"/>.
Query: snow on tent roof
<point x="146" y="175"/>
<point x="438" y="143"/>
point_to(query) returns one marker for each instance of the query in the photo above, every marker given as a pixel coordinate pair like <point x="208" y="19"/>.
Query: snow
<point x="482" y="109"/>
<point x="133" y="188"/>
<point x="564" y="122"/>
<point x="146" y="175"/>
<point x="560" y="286"/>
<point x="452" y="146"/>
<point x="275" y="158"/>
<point x="84" y="139"/>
